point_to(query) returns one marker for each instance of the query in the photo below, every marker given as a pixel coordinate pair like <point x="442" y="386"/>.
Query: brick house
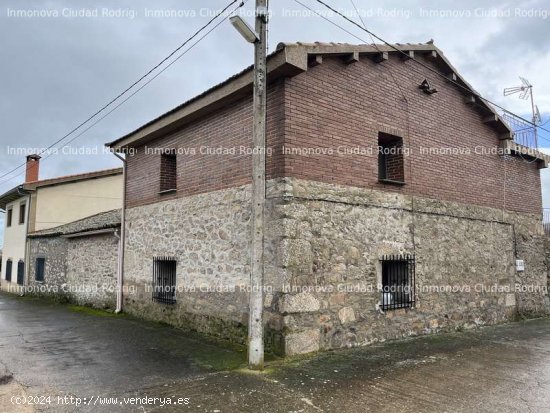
<point x="392" y="209"/>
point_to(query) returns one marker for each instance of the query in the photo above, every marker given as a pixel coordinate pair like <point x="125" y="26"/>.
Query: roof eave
<point x="281" y="63"/>
<point x="288" y="60"/>
<point x="31" y="186"/>
<point x="12" y="195"/>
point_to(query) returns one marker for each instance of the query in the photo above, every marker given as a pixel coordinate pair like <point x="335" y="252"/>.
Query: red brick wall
<point x="335" y="105"/>
<point x="203" y="172"/>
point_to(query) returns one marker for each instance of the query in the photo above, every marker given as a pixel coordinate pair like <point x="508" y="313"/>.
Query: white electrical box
<point x="520" y="265"/>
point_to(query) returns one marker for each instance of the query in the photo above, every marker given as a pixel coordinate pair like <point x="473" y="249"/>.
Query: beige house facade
<point x="42" y="204"/>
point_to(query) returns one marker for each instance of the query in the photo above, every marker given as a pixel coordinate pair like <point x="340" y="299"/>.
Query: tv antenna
<point x="525" y="92"/>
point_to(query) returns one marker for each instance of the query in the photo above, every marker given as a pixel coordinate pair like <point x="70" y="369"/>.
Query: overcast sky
<point x="61" y="66"/>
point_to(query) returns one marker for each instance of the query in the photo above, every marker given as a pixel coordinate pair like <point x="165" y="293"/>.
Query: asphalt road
<point x="66" y="359"/>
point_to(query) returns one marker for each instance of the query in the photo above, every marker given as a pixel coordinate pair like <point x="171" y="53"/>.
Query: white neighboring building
<point x="42" y="204"/>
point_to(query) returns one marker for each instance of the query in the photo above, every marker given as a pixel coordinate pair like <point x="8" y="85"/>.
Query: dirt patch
<point x="10" y="391"/>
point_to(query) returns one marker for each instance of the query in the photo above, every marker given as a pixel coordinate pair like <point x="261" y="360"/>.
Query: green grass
<point x="93" y="311"/>
<point x="217" y="358"/>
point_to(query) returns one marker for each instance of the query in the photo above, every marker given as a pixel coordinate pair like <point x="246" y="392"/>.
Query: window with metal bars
<point x="164" y="280"/>
<point x="398" y="282"/>
<point x="39" y="269"/>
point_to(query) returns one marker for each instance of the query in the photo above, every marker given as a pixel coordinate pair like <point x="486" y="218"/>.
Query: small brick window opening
<point x="398" y="282"/>
<point x="391" y="162"/>
<point x="164" y="280"/>
<point x="168" y="172"/>
<point x="39" y="270"/>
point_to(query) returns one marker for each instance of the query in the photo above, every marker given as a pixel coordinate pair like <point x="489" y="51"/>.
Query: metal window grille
<point x="39" y="272"/>
<point x="398" y="282"/>
<point x="164" y="280"/>
<point x="20" y="272"/>
<point x="9" y="264"/>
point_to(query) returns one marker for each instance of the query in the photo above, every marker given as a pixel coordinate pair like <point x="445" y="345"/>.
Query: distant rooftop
<point x="23" y="189"/>
<point x="103" y="220"/>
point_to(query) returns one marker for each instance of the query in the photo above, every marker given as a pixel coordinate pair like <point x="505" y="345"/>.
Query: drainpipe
<point x="27" y="253"/>
<point x="121" y="238"/>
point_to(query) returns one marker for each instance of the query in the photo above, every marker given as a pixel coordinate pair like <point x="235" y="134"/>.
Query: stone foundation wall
<point x="92" y="270"/>
<point x="54" y="250"/>
<point x="323" y="245"/>
<point x="208" y="235"/>
<point x="547" y="254"/>
<point x="331" y="240"/>
<point x="80" y="270"/>
<point x="530" y="246"/>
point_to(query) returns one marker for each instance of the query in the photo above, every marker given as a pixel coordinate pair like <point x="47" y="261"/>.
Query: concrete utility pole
<point x="255" y="323"/>
<point x="258" y="37"/>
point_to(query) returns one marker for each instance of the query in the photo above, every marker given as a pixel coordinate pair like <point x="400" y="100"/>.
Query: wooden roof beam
<point x="351" y="58"/>
<point x="315" y="60"/>
<point x="491" y="119"/>
<point x="409" y="54"/>
<point x="452" y="77"/>
<point x="506" y="136"/>
<point x="380" y="57"/>
<point x="470" y="100"/>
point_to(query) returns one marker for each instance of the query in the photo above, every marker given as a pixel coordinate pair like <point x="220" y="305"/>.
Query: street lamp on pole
<point x="255" y="314"/>
<point x="244" y="29"/>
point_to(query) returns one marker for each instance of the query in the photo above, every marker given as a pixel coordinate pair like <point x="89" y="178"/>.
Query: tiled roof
<point x="23" y="189"/>
<point x="287" y="60"/>
<point x="103" y="220"/>
<point x="72" y="178"/>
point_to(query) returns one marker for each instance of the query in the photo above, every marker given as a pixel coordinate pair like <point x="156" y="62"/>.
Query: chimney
<point x="33" y="164"/>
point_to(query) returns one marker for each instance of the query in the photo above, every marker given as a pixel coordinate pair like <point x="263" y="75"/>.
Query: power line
<point x="413" y="59"/>
<point x="379" y="51"/>
<point x="134" y="83"/>
<point x="178" y="57"/>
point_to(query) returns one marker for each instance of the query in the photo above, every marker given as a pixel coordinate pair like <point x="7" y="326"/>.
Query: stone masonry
<point x="466" y="218"/>
<point x="81" y="260"/>
<point x="332" y="237"/>
<point x="54" y="250"/>
<point x="208" y="236"/>
<point x="323" y="244"/>
<point x="91" y="268"/>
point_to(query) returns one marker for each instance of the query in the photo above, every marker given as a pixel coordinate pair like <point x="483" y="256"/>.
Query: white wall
<point x="59" y="204"/>
<point x="14" y="239"/>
